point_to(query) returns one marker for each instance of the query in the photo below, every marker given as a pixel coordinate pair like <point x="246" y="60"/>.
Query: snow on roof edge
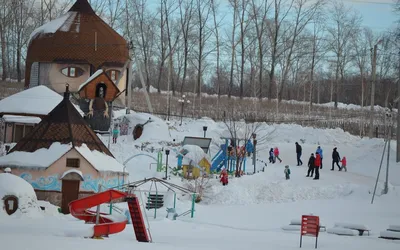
<point x="95" y="74"/>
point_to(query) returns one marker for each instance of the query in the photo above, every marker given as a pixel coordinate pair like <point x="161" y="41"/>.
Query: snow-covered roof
<point x="100" y="161"/>
<point x="21" y="119"/>
<point x="76" y="171"/>
<point x="195" y="154"/>
<point x="96" y="74"/>
<point x="43" y="158"/>
<point x="39" y="100"/>
<point x="62" y="23"/>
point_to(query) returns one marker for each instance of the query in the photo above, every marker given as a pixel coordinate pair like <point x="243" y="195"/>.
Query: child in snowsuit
<point x="276" y="154"/>
<point x="115" y="133"/>
<point x="311" y="166"/>
<point x="224" y="177"/>
<point x="344" y="163"/>
<point x="271" y="156"/>
<point x="287" y="172"/>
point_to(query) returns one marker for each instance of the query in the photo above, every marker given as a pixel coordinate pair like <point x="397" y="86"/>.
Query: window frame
<point x="76" y="163"/>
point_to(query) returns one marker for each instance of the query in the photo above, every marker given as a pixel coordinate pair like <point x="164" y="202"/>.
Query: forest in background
<point x="307" y="50"/>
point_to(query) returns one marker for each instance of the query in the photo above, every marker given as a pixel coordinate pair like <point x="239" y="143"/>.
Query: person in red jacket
<point x="344" y="164"/>
<point x="224" y="177"/>
<point x="317" y="165"/>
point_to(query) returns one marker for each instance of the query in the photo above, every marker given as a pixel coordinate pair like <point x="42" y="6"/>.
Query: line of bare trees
<point x="310" y="50"/>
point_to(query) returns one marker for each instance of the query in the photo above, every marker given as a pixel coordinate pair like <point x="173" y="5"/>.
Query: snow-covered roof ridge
<point x="41" y="158"/>
<point x="62" y="23"/>
<point x="36" y="101"/>
<point x="91" y="78"/>
<point x="100" y="161"/>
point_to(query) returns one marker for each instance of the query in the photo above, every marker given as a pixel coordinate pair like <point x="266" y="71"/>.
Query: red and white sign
<point x="309" y="227"/>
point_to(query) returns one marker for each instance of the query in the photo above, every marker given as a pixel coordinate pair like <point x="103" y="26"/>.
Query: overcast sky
<point x="377" y="14"/>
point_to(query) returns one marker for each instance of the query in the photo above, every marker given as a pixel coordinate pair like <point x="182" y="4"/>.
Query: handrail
<point x="145" y="215"/>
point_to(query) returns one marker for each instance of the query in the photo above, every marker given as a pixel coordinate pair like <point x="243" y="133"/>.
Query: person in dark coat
<point x="298" y="152"/>
<point x="335" y="159"/>
<point x="311" y="166"/>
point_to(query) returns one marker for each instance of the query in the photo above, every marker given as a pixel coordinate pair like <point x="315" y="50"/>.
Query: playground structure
<point x="193" y="161"/>
<point x="155" y="198"/>
<point x="229" y="154"/>
<point x="106" y="224"/>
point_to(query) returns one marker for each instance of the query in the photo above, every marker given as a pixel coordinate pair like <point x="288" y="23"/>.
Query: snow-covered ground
<point x="251" y="211"/>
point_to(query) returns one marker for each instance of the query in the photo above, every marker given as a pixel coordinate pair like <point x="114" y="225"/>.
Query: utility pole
<point x="371" y="117"/>
<point x="389" y="139"/>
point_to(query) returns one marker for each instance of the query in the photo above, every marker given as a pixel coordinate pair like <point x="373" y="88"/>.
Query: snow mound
<point x="27" y="201"/>
<point x="155" y="130"/>
<point x="390" y="235"/>
<point x="246" y="192"/>
<point x="342" y="231"/>
<point x="195" y="153"/>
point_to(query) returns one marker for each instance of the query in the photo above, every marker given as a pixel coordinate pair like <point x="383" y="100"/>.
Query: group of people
<point x="273" y="155"/>
<point x="315" y="162"/>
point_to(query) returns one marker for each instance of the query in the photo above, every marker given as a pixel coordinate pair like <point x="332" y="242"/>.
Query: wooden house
<point x="63" y="159"/>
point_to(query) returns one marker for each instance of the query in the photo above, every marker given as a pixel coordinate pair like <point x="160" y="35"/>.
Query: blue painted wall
<point x="54" y="183"/>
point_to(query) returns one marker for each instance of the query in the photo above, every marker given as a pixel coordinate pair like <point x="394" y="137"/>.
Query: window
<point x="18" y="132"/>
<point x="113" y="74"/>
<point x="72" y="71"/>
<point x="73" y="162"/>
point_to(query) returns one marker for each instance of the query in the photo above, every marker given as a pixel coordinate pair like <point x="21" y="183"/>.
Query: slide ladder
<point x="137" y="219"/>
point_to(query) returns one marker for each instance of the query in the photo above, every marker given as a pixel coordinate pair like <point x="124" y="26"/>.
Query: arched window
<point x="72" y="71"/>
<point x="101" y="90"/>
<point x="113" y="74"/>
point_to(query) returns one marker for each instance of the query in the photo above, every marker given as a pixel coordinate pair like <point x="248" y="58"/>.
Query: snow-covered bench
<point x="390" y="235"/>
<point x="394" y="228"/>
<point x="360" y="228"/>
<point x="342" y="231"/>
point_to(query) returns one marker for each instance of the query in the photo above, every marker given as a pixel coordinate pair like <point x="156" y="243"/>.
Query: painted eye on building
<point x="113" y="74"/>
<point x="72" y="72"/>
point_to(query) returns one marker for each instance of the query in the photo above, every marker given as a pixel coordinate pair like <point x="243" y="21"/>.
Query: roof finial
<point x="66" y="93"/>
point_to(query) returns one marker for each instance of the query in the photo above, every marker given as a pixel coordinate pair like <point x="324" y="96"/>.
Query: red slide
<point x="78" y="209"/>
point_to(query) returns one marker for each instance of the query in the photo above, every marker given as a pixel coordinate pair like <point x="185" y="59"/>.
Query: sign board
<point x="309" y="227"/>
<point x="203" y="143"/>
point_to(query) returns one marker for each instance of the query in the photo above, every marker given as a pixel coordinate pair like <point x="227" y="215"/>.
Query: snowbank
<point x="27" y="201"/>
<point x="195" y="154"/>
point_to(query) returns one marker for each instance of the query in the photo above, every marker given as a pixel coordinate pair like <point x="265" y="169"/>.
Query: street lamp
<point x="166" y="164"/>
<point x="205" y="130"/>
<point x="182" y="101"/>
<point x="254" y="151"/>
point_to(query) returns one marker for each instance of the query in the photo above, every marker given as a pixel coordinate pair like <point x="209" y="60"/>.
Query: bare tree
<point x="235" y="5"/>
<point x="259" y="13"/>
<point x="5" y="14"/>
<point x="346" y="22"/>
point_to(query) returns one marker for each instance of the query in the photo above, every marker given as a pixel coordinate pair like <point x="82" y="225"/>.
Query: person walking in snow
<point x="115" y="133"/>
<point x="317" y="165"/>
<point x="319" y="151"/>
<point x="344" y="163"/>
<point x="287" y="172"/>
<point x="335" y="159"/>
<point x="271" y="156"/>
<point x="298" y="153"/>
<point x="276" y="154"/>
<point x="311" y="166"/>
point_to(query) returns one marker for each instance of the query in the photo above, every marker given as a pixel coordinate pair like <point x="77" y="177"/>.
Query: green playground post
<point x="193" y="201"/>
<point x="159" y="161"/>
<point x="155" y="208"/>
<point x="174" y="200"/>
<point x="111" y="208"/>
